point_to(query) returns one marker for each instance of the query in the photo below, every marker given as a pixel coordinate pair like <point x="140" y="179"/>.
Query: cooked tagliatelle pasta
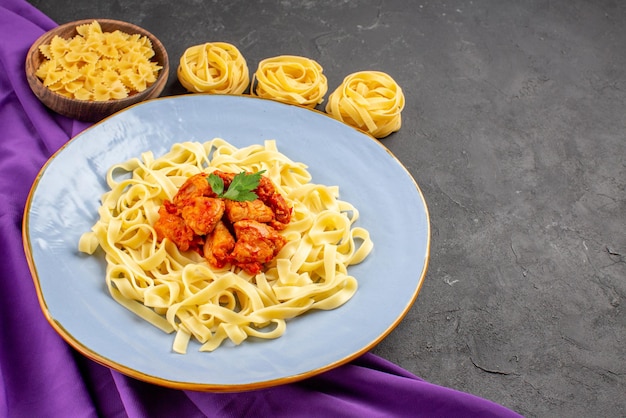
<point x="290" y="79"/>
<point x="180" y="291"/>
<point x="96" y="65"/>
<point x="369" y="100"/>
<point x="216" y="67"/>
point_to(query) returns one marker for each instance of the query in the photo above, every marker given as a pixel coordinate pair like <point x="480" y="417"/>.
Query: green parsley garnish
<point x="240" y="189"/>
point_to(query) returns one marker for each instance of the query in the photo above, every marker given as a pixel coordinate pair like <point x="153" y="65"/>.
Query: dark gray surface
<point x="514" y="129"/>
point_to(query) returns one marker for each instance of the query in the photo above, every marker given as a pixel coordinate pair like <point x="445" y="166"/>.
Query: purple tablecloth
<point x="40" y="375"/>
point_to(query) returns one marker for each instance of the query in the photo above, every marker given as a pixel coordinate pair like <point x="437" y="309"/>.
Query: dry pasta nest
<point x="369" y="100"/>
<point x="290" y="79"/>
<point x="217" y="68"/>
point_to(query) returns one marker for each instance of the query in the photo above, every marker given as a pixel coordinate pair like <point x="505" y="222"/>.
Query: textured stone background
<point x="514" y="129"/>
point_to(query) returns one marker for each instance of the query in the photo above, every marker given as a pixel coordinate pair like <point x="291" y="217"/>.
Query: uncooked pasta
<point x="369" y="100"/>
<point x="96" y="65"/>
<point x="290" y="79"/>
<point x="213" y="67"/>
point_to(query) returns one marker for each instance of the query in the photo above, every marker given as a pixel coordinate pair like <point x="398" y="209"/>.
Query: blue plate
<point x="64" y="200"/>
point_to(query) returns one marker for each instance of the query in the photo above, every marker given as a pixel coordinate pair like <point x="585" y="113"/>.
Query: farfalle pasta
<point x="96" y="65"/>
<point x="217" y="68"/>
<point x="369" y="100"/>
<point x="290" y="79"/>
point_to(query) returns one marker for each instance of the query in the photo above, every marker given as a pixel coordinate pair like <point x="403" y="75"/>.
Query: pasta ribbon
<point x="368" y="100"/>
<point x="217" y="68"/>
<point x="96" y="65"/>
<point x="290" y="79"/>
<point x="180" y="293"/>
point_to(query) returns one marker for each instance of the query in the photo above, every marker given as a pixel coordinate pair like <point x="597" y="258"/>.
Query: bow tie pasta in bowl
<point x="90" y="69"/>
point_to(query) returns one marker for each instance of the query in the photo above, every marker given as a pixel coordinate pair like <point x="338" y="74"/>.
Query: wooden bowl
<point x="91" y="110"/>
